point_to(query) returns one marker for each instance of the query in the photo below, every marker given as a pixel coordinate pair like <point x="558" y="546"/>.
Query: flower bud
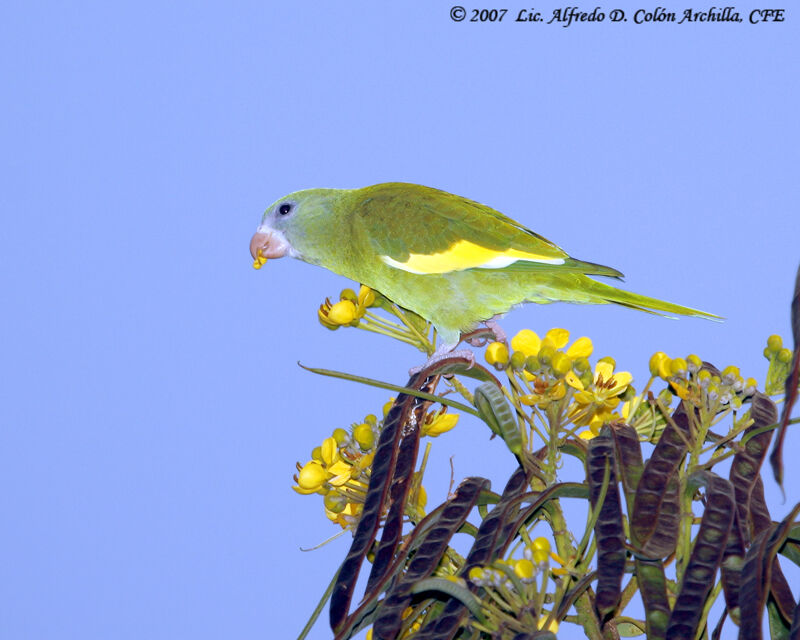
<point x="334" y="501"/>
<point x="546" y="353"/>
<point x="678" y="367"/>
<point x="656" y="360"/>
<point x="524" y="569"/>
<point x="561" y="363"/>
<point x="497" y="355"/>
<point x="364" y="436"/>
<point x="517" y="360"/>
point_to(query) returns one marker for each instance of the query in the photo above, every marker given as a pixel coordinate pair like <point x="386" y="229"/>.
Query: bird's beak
<point x="265" y="245"/>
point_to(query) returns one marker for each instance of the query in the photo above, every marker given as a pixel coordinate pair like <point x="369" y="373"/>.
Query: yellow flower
<point x="311" y="478"/>
<point x="348" y="517"/>
<point x="333" y="316"/>
<point x="545" y="394"/>
<point x="343" y="312"/>
<point x="581" y="348"/>
<point x="438" y="423"/>
<point x="526" y="341"/>
<point x="364" y="436"/>
<point x="497" y="354"/>
<point x="366" y="297"/>
<point x="557" y="337"/>
<point x="660" y="365"/>
<point x="524" y="569"/>
<point x="593" y="406"/>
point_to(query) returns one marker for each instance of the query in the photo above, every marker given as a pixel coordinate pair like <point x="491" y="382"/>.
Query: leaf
<point x="656" y="507"/>
<point x="608" y="529"/>
<point x="709" y="544"/>
<point x="452" y="589"/>
<point x="792" y="382"/>
<point x="394" y="387"/>
<point x="427" y="557"/>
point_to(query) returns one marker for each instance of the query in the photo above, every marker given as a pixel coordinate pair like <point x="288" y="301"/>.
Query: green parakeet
<point x="448" y="259"/>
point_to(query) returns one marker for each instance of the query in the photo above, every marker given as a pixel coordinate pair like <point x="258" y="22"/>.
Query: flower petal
<point x="526" y="341"/>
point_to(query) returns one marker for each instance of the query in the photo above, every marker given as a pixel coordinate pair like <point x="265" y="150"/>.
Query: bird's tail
<point x="610" y="294"/>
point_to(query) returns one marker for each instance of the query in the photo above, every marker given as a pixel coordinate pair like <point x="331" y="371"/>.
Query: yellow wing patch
<point x="465" y="255"/>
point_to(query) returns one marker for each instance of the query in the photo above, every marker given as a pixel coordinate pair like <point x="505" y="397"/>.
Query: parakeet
<point x="448" y="259"/>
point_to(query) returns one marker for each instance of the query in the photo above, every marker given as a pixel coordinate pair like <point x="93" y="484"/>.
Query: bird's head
<point x="287" y="226"/>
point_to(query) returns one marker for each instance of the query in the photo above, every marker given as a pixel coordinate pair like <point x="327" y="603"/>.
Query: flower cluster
<point x="512" y="586"/>
<point x="780" y="362"/>
<point x="702" y="385"/>
<point x="340" y="468"/>
<point x="553" y="371"/>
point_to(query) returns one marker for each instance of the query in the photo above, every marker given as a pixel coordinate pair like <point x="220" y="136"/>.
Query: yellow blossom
<point x="387" y="407"/>
<point x="364" y="436"/>
<point x="524" y="569"/>
<point x="438" y="423"/>
<point x="497" y="354"/>
<point x="329" y="451"/>
<point x="557" y="337"/>
<point x="573" y="381"/>
<point x="541" y="543"/>
<point x="593" y="406"/>
<point x="311" y="477"/>
<point x="343" y="312"/>
<point x="366" y="297"/>
<point x="347" y="517"/>
<point x="660" y="365"/>
<point x="545" y="394"/>
<point x="581" y="348"/>
<point x="527" y="342"/>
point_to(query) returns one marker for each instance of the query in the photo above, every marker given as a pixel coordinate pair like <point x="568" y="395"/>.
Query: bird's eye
<point x="284" y="209"/>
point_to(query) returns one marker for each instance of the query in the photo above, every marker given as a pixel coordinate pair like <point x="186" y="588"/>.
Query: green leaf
<point x="393" y="387"/>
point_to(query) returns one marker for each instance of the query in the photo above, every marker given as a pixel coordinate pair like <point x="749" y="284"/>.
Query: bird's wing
<point x="426" y="231"/>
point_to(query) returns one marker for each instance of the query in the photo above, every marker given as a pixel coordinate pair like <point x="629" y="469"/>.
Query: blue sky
<point x="151" y="407"/>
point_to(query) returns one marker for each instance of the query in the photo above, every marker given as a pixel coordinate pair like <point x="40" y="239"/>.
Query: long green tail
<point x="607" y="293"/>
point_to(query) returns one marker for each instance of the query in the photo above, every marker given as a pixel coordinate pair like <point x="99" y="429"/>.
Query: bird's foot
<point x="494" y="327"/>
<point x="443" y="352"/>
